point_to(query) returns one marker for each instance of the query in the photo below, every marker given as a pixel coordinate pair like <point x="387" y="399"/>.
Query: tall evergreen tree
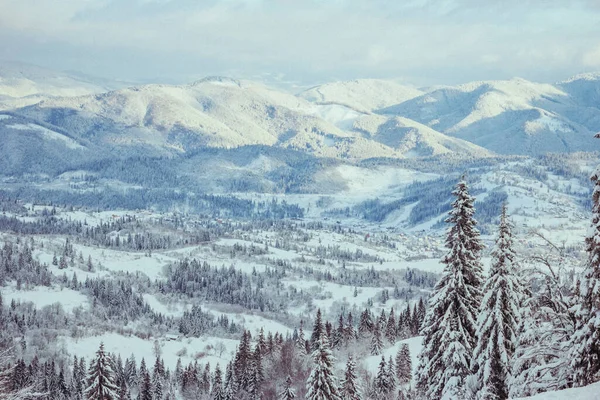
<point x="390" y="328"/>
<point x="301" y="341"/>
<point x="391" y="375"/>
<point x="403" y="365"/>
<point x="498" y="319"/>
<point x="217" y="392"/>
<point x="586" y="341"/>
<point x="349" y="388"/>
<point x="321" y="384"/>
<point x="381" y="383"/>
<point x="145" y="386"/>
<point x="318" y="329"/>
<point x="288" y="391"/>
<point x="449" y="327"/>
<point x="376" y="341"/>
<point x="101" y="379"/>
<point x="131" y="371"/>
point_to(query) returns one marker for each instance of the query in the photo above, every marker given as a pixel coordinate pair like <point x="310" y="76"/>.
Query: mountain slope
<point x="362" y="95"/>
<point x="214" y="112"/>
<point x="412" y="139"/>
<point x="23" y="84"/>
<point x="507" y="117"/>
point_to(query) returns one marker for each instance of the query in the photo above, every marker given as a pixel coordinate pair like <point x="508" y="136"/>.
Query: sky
<point x="306" y="42"/>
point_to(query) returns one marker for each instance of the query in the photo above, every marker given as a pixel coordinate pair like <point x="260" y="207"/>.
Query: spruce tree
<point x="217" y="392"/>
<point x="101" y="379"/>
<point x="131" y="371"/>
<point x="381" y="383"/>
<point x="321" y="384"/>
<point x="391" y="375"/>
<point x="145" y="387"/>
<point x="376" y="341"/>
<point x="498" y="320"/>
<point x="449" y="327"/>
<point x="288" y="391"/>
<point x="318" y="329"/>
<point x="403" y="365"/>
<point x="301" y="341"/>
<point x="349" y="388"/>
<point x="586" y="340"/>
<point x="390" y="328"/>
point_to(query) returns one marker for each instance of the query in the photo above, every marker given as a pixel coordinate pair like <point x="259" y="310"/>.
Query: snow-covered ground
<point x="42" y="296"/>
<point x="204" y="349"/>
<point x="591" y="392"/>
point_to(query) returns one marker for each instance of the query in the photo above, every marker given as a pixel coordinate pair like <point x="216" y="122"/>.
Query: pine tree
<point x="350" y="389"/>
<point x="318" y="330"/>
<point x="124" y="393"/>
<point x="338" y="336"/>
<point x="586" y="341"/>
<point x="381" y="384"/>
<point x="390" y="328"/>
<point x="376" y="341"/>
<point x="100" y="381"/>
<point x="63" y="389"/>
<point x="391" y="375"/>
<point x="365" y="325"/>
<point x="301" y="341"/>
<point x="157" y="379"/>
<point x="217" y="386"/>
<point x="145" y="387"/>
<point x="205" y="379"/>
<point x="229" y="389"/>
<point x="349" y="331"/>
<point x="403" y="365"/>
<point x="321" y="384"/>
<point x="288" y="391"/>
<point x="498" y="319"/>
<point x="449" y="328"/>
<point x="130" y="371"/>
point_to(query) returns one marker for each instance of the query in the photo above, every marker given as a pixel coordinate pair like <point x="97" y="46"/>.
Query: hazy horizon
<point x="304" y="43"/>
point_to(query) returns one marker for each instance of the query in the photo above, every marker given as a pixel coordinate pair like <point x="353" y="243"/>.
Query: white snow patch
<point x="42" y="296"/>
<point x="590" y="392"/>
<point x="47" y="134"/>
<point x="205" y="348"/>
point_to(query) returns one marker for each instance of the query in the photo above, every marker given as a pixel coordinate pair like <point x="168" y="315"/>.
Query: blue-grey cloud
<point x="422" y="41"/>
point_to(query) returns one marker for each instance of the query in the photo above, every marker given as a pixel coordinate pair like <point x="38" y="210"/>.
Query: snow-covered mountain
<point x="24" y="84"/>
<point x="353" y="120"/>
<point x="225" y="113"/>
<point x="512" y="117"/>
<point x="362" y="94"/>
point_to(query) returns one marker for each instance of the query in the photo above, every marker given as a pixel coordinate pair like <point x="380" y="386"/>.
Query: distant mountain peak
<point x="218" y="80"/>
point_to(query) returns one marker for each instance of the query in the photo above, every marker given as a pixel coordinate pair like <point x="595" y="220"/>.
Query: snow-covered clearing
<point x="42" y="296"/>
<point x="206" y="349"/>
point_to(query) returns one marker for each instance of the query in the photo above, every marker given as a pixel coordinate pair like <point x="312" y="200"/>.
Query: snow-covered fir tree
<point x="586" y="341"/>
<point x="391" y="375"/>
<point x="145" y="392"/>
<point x="318" y="330"/>
<point x="288" y="390"/>
<point x="349" y="388"/>
<point x="216" y="392"/>
<point x="498" y="320"/>
<point x="322" y="384"/>
<point x="101" y="378"/>
<point x="449" y="327"/>
<point x="376" y="341"/>
<point x="403" y="365"/>
<point x="381" y="389"/>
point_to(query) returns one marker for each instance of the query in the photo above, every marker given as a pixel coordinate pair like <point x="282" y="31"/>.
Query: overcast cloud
<point x="415" y="41"/>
